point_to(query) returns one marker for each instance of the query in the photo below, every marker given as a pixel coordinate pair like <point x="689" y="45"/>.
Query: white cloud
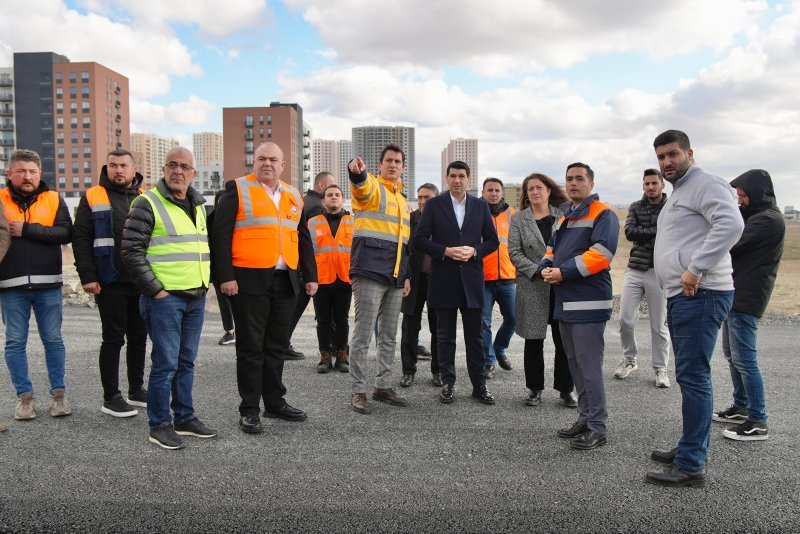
<point x="150" y="117"/>
<point x="501" y="37"/>
<point x="740" y="113"/>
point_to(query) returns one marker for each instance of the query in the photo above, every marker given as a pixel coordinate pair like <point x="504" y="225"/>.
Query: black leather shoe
<point x="287" y="413"/>
<point x="590" y="440"/>
<point x="291" y="354"/>
<point x="437" y="380"/>
<point x="446" y="396"/>
<point x="504" y="364"/>
<point x="406" y="381"/>
<point x="574" y="431"/>
<point x="423" y="353"/>
<point x="664" y="456"/>
<point x="534" y="398"/>
<point x="251" y="424"/>
<point x="489" y="371"/>
<point x="483" y="395"/>
<point x="570" y="399"/>
<point x="675" y="477"/>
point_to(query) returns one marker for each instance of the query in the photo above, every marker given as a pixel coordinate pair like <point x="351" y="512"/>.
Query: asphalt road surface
<point x="428" y="467"/>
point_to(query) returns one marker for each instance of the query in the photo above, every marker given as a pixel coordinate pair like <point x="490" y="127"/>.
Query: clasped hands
<point x="552" y="275"/>
<point x="464" y="253"/>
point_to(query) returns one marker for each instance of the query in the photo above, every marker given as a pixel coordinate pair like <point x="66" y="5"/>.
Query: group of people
<point x="148" y="257"/>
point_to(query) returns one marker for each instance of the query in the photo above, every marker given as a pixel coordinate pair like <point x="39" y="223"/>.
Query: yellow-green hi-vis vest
<point x="178" y="250"/>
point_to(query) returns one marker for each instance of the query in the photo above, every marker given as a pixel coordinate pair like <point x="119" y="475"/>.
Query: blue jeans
<point x="739" y="347"/>
<point x="16" y="305"/>
<point x="174" y="324"/>
<point x="504" y="295"/>
<point x="694" y="324"/>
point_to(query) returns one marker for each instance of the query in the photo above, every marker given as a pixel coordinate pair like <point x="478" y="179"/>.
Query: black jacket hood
<point x="757" y="183"/>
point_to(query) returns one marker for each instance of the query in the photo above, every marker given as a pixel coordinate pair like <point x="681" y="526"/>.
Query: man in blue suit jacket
<point x="456" y="231"/>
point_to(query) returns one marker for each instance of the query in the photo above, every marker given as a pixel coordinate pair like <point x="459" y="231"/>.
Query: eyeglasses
<point x="184" y="167"/>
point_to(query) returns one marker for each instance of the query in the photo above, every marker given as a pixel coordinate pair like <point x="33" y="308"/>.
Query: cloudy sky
<point x="540" y="83"/>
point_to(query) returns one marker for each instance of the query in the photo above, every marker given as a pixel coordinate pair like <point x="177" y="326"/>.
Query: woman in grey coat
<point x="529" y="232"/>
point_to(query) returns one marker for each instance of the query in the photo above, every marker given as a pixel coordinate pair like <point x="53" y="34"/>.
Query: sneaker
<point x="662" y="380"/>
<point x="25" y="407"/>
<point x="747" y="431"/>
<point x="117" y="407"/>
<point x="734" y="414"/>
<point x="165" y="436"/>
<point x="138" y="398"/>
<point x="59" y="407"/>
<point x="229" y="338"/>
<point x="423" y="353"/>
<point x="195" y="427"/>
<point x="625" y="368"/>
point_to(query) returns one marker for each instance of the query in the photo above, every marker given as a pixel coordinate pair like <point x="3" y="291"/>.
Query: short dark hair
<point x="23" y="154"/>
<point x="652" y="172"/>
<point x="557" y="195"/>
<point x="672" y="136"/>
<point x="589" y="170"/>
<point x="429" y="186"/>
<point x="492" y="179"/>
<point x="332" y="186"/>
<point x="392" y="148"/>
<point x="457" y="165"/>
<point x="319" y="177"/>
<point x="119" y="152"/>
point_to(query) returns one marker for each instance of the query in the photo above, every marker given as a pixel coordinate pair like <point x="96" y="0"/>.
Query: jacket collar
<point x="581" y="210"/>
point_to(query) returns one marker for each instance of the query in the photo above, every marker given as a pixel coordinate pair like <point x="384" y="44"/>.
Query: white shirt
<point x="460" y="208"/>
<point x="276" y="199"/>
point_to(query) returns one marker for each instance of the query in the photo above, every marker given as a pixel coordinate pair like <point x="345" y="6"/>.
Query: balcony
<point x="6" y="96"/>
<point x="117" y="104"/>
<point x="117" y="90"/>
<point x="6" y="81"/>
<point x="6" y="111"/>
<point x="248" y="137"/>
<point x="118" y="118"/>
<point x="119" y="131"/>
<point x="7" y="126"/>
<point x="248" y="150"/>
<point x="7" y="141"/>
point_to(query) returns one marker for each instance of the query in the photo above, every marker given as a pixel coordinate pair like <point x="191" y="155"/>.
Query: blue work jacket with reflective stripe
<point x="583" y="244"/>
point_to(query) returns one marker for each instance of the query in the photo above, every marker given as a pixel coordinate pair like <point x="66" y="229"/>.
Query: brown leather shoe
<point x="342" y="360"/>
<point x="360" y="403"/>
<point x="324" y="364"/>
<point x="389" y="396"/>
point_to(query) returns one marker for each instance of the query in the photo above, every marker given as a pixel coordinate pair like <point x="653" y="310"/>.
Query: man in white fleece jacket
<point x="697" y="227"/>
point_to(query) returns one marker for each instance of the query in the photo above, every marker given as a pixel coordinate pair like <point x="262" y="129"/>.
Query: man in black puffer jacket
<point x="640" y="282"/>
<point x="755" y="258"/>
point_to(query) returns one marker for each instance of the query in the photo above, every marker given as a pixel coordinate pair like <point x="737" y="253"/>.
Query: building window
<point x="87" y="137"/>
<point x="269" y="119"/>
<point x="60" y="152"/>
<point x="59" y="122"/>
<point x="87" y="167"/>
<point x="62" y="166"/>
<point x="248" y="121"/>
<point x="74" y="152"/>
<point x="59" y="107"/>
<point x="73" y="122"/>
<point x="85" y="77"/>
<point x="261" y="119"/>
<point x="87" y="181"/>
<point x="73" y="76"/>
<point x="75" y="166"/>
<point x="73" y="137"/>
<point x="73" y="107"/>
<point x="249" y="160"/>
<point x="73" y="92"/>
<point x="269" y="133"/>
<point x="59" y="92"/>
<point x="87" y="122"/>
<point x="87" y="152"/>
<point x="76" y="181"/>
<point x="85" y="107"/>
<point x="62" y="181"/>
<point x="60" y="137"/>
<point x="261" y="133"/>
<point x="85" y="92"/>
<point x="59" y="77"/>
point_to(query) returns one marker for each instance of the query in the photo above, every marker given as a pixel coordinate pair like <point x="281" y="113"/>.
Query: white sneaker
<point x="625" y="368"/>
<point x="662" y="380"/>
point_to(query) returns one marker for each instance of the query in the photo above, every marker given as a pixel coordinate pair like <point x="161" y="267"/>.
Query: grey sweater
<point x="696" y="229"/>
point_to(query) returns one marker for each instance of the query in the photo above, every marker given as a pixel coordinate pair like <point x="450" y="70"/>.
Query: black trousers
<point x="120" y="319"/>
<point x="411" y="325"/>
<point x="225" y="311"/>
<point x="534" y="364"/>
<point x="332" y="306"/>
<point x="262" y="331"/>
<point x="472" y="322"/>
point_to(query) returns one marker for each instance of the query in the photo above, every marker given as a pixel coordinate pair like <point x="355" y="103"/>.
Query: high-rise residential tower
<point x="369" y="142"/>
<point x="153" y="149"/>
<point x="465" y="150"/>
<point x="207" y="147"/>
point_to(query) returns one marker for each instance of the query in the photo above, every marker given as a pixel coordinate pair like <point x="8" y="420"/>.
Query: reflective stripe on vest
<point x="385" y="220"/>
<point x="32" y="279"/>
<point x="178" y="249"/>
<point x="103" y="246"/>
<point x="497" y="265"/>
<point x="264" y="232"/>
<point x="332" y="253"/>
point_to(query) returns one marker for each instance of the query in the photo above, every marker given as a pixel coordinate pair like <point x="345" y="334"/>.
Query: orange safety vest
<point x="263" y="232"/>
<point x="43" y="211"/>
<point x="332" y="253"/>
<point x="497" y="265"/>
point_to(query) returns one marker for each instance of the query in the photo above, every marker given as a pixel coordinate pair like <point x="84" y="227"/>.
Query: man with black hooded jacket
<point x="96" y="244"/>
<point x="755" y="258"/>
